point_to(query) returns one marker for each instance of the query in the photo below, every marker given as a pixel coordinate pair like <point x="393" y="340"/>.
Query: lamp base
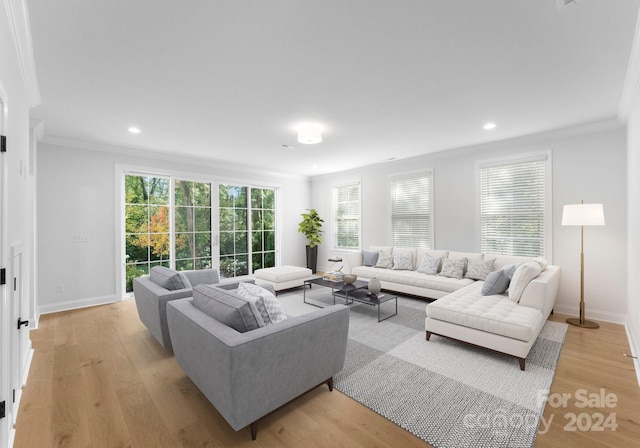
<point x="587" y="323"/>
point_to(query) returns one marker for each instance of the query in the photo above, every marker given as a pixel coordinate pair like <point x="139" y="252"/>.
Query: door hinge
<point x="22" y="322"/>
<point x="3" y="276"/>
<point x="14" y="396"/>
<point x="2" y="409"/>
<point x="3" y="143"/>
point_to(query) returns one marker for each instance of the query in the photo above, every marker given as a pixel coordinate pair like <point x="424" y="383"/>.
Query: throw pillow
<point x="369" y="257"/>
<point x="521" y="279"/>
<point x="272" y="305"/>
<point x="430" y="265"/>
<point x="228" y="308"/>
<point x="478" y="270"/>
<point x="402" y="259"/>
<point x="542" y="262"/>
<point x="385" y="259"/>
<point x="168" y="278"/>
<point x="497" y="282"/>
<point x="453" y="268"/>
<point x="510" y="269"/>
<point x="243" y="291"/>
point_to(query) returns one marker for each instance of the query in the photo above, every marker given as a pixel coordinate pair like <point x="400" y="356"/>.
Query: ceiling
<point x="229" y="80"/>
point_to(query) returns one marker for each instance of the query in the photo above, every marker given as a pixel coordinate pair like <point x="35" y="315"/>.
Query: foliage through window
<point x="247" y="229"/>
<point x="346" y="200"/>
<point x="192" y="225"/>
<point x="411" y="220"/>
<point x="513" y="207"/>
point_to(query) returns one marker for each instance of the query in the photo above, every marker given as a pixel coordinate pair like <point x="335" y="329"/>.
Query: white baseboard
<point x="634" y="345"/>
<point x="604" y="316"/>
<point x="75" y="304"/>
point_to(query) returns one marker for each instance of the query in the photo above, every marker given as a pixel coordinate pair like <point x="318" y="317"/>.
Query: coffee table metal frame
<point x="335" y="286"/>
<point x="363" y="296"/>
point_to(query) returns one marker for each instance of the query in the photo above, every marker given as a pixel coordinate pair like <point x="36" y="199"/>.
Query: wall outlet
<point x="78" y="238"/>
<point x="59" y="288"/>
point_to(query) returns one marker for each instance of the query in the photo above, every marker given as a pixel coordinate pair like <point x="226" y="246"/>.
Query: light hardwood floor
<point x="99" y="379"/>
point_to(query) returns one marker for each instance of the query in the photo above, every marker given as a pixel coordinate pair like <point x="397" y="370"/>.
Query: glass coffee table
<point x="351" y="292"/>
<point x="364" y="296"/>
<point x="342" y="287"/>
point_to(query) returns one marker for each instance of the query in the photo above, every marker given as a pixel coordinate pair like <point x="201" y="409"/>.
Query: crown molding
<point x="632" y="80"/>
<point x="20" y="28"/>
<point x="163" y="156"/>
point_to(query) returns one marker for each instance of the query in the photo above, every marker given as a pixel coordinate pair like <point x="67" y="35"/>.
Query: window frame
<point x="334" y="218"/>
<point x="536" y="156"/>
<point x="428" y="173"/>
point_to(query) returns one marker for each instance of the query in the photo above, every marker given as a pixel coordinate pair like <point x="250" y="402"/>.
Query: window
<point x="243" y="208"/>
<point x="346" y="203"/>
<point x="411" y="217"/>
<point x="514" y="205"/>
<point x="192" y="225"/>
<point x="147" y="234"/>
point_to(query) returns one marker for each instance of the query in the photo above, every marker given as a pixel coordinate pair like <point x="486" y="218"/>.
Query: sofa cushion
<point x="265" y="301"/>
<point x="429" y="265"/>
<point x="479" y="269"/>
<point x="494" y="314"/>
<point x="521" y="279"/>
<point x="369" y="257"/>
<point x="411" y="278"/>
<point x="403" y="259"/>
<point x="226" y="307"/>
<point x="168" y="278"/>
<point x="453" y="268"/>
<point x="385" y="258"/>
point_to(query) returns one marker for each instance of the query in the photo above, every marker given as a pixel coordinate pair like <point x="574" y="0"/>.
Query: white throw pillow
<point x="403" y="259"/>
<point x="385" y="259"/>
<point x="430" y="265"/>
<point x="478" y="269"/>
<point x="521" y="279"/>
<point x="272" y="305"/>
<point x="453" y="268"/>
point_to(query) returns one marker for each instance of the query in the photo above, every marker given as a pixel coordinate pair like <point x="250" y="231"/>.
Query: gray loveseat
<point x="163" y="285"/>
<point x="247" y="375"/>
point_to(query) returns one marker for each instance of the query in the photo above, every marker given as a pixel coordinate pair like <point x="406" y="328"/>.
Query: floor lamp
<point x="582" y="215"/>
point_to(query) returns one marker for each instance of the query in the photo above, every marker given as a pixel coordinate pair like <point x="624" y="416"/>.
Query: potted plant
<point x="311" y="228"/>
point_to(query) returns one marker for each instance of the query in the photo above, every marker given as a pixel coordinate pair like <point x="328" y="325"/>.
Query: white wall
<point x="633" y="233"/>
<point x="589" y="166"/>
<point x="77" y="195"/>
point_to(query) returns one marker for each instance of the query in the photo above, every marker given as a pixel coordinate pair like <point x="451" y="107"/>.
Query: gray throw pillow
<point x="511" y="269"/>
<point x="497" y="282"/>
<point x="369" y="257"/>
<point x="227" y="307"/>
<point x="168" y="278"/>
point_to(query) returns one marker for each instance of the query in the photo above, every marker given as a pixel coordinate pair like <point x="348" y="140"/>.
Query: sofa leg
<point x="428" y="335"/>
<point x="330" y="384"/>
<point x="254" y="430"/>
<point x="521" y="361"/>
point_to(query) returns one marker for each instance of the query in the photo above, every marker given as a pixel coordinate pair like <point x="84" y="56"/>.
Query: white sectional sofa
<point x="505" y="321"/>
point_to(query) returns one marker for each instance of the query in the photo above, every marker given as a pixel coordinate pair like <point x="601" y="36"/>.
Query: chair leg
<point x="254" y="430"/>
<point x="428" y="335"/>
<point x="330" y="384"/>
<point x="521" y="360"/>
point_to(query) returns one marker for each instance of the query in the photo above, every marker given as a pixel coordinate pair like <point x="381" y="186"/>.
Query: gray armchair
<point x="163" y="285"/>
<point x="248" y="375"/>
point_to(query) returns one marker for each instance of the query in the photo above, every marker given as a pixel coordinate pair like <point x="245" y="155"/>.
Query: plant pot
<point x="312" y="258"/>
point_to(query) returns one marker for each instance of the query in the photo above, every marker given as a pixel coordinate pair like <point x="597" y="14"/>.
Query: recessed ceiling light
<point x="489" y="126"/>
<point x="134" y="130"/>
<point x="309" y="133"/>
<point x="314" y="166"/>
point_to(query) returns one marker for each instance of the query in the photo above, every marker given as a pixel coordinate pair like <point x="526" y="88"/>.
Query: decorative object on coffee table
<point x="374" y="286"/>
<point x="349" y="278"/>
<point x="582" y="215"/>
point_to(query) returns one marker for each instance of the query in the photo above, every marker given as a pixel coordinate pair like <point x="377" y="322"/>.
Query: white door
<point x="5" y="396"/>
<point x="18" y="331"/>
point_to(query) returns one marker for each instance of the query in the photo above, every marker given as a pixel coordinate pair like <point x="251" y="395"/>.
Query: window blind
<point x="411" y="211"/>
<point x="512" y="208"/>
<point x="347" y="216"/>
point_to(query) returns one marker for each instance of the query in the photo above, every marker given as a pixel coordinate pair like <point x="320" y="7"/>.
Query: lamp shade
<point x="309" y="135"/>
<point x="583" y="215"/>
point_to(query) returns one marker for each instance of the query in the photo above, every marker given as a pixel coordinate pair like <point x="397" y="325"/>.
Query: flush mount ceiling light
<point x="489" y="126"/>
<point x="309" y="134"/>
<point x="134" y="130"/>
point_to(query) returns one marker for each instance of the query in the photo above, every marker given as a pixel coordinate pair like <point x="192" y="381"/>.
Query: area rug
<point x="447" y="393"/>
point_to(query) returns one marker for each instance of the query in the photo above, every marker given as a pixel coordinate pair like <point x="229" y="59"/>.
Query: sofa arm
<point x="247" y="375"/>
<point x="352" y="260"/>
<point x="542" y="291"/>
<point x="231" y="283"/>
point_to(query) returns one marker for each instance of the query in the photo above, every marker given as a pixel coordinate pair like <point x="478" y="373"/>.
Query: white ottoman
<point x="283" y="277"/>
